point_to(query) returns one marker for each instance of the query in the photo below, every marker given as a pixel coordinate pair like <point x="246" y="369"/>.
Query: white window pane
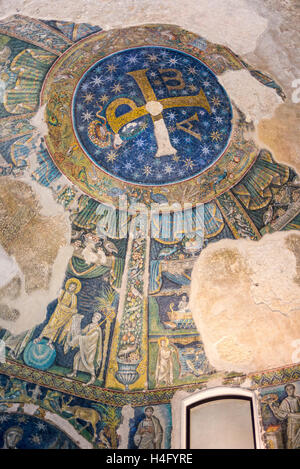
<point x="221" y="424"/>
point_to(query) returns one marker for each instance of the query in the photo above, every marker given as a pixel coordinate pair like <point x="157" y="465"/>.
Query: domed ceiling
<point x="146" y="160"/>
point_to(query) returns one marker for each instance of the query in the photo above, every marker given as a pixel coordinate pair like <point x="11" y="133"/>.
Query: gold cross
<point x="154" y="107"/>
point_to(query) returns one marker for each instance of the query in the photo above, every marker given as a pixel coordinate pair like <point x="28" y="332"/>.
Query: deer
<point x="90" y="416"/>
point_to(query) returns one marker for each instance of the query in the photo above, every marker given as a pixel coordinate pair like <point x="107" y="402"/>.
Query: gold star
<point x="176" y="158"/>
<point x="111" y="68"/>
<point x="144" y="126"/>
<point x="192" y="70"/>
<point x="171" y="129"/>
<point x="189" y="164"/>
<point x="117" y="88"/>
<point x="192" y="87"/>
<point x="104" y="98"/>
<point x="88" y="97"/>
<point x="147" y="170"/>
<point x="216" y="101"/>
<point x="153" y="57"/>
<point x="111" y="156"/>
<point x="215" y="136"/>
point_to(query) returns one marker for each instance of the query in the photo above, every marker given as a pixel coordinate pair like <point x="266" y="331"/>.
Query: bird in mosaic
<point x="166" y="252"/>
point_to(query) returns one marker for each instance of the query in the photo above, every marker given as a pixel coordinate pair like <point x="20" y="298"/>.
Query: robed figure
<point x="89" y="356"/>
<point x="60" y="322"/>
<point x="164" y="366"/>
<point x="289" y="413"/>
<point x="149" y="433"/>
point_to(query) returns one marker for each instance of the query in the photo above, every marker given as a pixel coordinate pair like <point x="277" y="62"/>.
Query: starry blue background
<point x="134" y="161"/>
<point x="37" y="434"/>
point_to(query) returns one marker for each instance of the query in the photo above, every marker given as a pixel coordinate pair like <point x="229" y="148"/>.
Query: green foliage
<point x="106" y="301"/>
<point x="3" y="40"/>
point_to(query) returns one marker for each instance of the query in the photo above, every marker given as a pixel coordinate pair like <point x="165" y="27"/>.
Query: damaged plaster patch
<point x="12" y="289"/>
<point x="123" y="430"/>
<point x="277" y="51"/>
<point x="281" y="134"/>
<point x="235" y="24"/>
<point x="35" y="233"/>
<point x="38" y="121"/>
<point x="255" y="100"/>
<point x="48" y="207"/>
<point x="33" y="306"/>
<point x="31" y="237"/>
<point x="8" y="267"/>
<point x="293" y="243"/>
<point x="245" y="300"/>
<point x="9" y="314"/>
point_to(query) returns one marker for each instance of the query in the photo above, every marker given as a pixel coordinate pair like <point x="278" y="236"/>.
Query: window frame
<point x="219" y="393"/>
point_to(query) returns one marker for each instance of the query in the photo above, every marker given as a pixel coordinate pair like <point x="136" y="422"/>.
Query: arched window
<point x="220" y="418"/>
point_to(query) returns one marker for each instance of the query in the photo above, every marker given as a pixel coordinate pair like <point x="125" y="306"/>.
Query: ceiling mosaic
<point x="135" y="96"/>
<point x="147" y="115"/>
<point x="137" y="117"/>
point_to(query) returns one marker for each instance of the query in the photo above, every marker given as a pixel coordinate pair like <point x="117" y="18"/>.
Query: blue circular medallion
<point x="39" y="355"/>
<point x="151" y="116"/>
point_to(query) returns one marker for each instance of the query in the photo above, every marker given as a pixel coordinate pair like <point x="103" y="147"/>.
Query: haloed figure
<point x="61" y="319"/>
<point x="12" y="437"/>
<point x="164" y="365"/>
<point x="149" y="434"/>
